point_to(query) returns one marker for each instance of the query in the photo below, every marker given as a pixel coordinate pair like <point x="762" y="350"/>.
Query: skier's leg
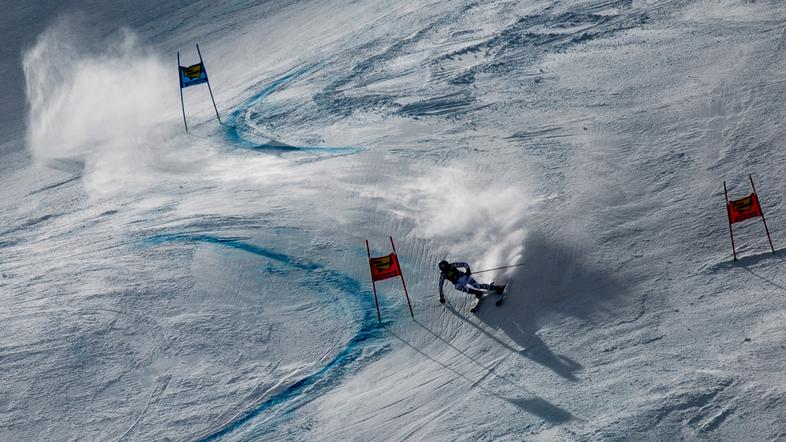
<point x="465" y="285"/>
<point x="487" y="287"/>
<point x="469" y="290"/>
<point x="478" y="286"/>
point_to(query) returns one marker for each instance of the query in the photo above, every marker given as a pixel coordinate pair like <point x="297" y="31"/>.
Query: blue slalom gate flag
<point x="192" y="75"/>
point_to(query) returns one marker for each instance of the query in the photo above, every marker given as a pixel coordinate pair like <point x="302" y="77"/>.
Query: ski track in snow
<point x="586" y="139"/>
<point x="293" y="397"/>
<point x="240" y="125"/>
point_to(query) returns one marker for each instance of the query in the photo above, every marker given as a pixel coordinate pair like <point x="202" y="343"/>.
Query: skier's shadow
<point x="532" y="348"/>
<point x="532" y="404"/>
<point x="553" y="282"/>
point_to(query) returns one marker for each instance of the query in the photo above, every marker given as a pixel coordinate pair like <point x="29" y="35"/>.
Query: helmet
<point x="444" y="266"/>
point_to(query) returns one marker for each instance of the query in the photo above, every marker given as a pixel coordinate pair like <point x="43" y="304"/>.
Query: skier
<point x="462" y="280"/>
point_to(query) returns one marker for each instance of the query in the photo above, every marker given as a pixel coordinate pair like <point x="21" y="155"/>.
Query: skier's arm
<point x="441" y="282"/>
<point x="465" y="265"/>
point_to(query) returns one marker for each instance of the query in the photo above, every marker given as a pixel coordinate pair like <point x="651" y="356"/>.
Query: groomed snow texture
<point x="214" y="285"/>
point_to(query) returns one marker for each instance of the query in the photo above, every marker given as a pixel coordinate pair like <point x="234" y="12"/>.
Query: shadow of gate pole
<point x="533" y="404"/>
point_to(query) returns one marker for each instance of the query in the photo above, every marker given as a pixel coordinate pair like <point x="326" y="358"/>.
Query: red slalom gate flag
<point x="744" y="208"/>
<point x="384" y="267"/>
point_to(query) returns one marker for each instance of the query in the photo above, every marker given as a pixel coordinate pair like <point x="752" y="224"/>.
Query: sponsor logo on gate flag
<point x="384" y="267"/>
<point x="192" y="75"/>
<point x="744" y="208"/>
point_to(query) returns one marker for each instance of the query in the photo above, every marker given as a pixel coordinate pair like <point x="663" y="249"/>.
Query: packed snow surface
<point x="159" y="285"/>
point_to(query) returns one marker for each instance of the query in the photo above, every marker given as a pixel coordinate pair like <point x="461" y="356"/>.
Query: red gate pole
<point x="762" y="215"/>
<point x="728" y="214"/>
<point x="402" y="280"/>
<point x="373" y="284"/>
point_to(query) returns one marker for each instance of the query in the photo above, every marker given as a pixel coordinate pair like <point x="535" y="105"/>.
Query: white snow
<point x="157" y="285"/>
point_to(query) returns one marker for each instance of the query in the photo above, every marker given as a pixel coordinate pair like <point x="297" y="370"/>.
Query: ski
<point x="476" y="304"/>
<point x="502" y="295"/>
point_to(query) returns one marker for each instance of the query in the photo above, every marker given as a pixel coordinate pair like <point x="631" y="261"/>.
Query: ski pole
<point x="499" y="268"/>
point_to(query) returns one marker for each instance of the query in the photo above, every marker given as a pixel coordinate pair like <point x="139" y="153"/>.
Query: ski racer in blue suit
<point x="462" y="280"/>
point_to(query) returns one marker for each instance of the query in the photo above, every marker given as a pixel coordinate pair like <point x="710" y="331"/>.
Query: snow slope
<point x="214" y="285"/>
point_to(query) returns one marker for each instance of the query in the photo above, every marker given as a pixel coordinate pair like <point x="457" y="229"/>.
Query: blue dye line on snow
<point x="270" y="88"/>
<point x="236" y="135"/>
<point x="329" y="374"/>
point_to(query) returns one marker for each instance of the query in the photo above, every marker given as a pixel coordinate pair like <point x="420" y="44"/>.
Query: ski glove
<point x="441" y="299"/>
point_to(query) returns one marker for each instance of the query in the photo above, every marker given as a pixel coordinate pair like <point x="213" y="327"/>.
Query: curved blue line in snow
<point x="235" y="134"/>
<point x="334" y="370"/>
<point x="273" y="86"/>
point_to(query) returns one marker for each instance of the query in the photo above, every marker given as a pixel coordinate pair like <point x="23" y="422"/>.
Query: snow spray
<point x="98" y="103"/>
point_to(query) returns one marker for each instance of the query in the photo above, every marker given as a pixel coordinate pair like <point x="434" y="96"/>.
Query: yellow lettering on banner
<point x="194" y="71"/>
<point x="743" y="205"/>
<point x="383" y="263"/>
